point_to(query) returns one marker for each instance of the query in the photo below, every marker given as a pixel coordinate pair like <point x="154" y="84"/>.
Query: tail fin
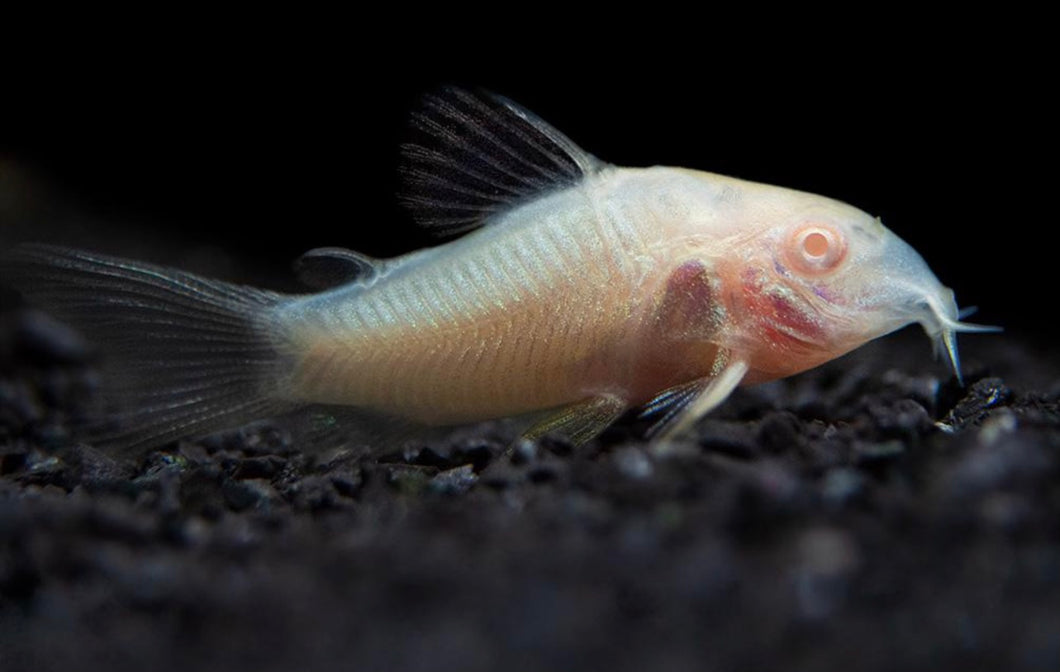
<point x="183" y="355"/>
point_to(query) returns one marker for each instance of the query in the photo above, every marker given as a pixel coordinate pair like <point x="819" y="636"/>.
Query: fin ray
<point x="477" y="154"/>
<point x="183" y="355"/>
<point x="685" y="404"/>
<point x="581" y="421"/>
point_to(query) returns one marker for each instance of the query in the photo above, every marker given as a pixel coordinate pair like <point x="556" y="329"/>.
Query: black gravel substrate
<point x="869" y="515"/>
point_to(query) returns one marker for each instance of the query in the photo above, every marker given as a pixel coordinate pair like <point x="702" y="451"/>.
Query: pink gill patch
<point x="775" y="313"/>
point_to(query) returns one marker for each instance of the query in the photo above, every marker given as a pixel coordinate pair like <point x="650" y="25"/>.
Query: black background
<point x="251" y="141"/>
<point x="267" y="147"/>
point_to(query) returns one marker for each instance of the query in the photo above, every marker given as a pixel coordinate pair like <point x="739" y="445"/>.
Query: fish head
<point x="823" y="278"/>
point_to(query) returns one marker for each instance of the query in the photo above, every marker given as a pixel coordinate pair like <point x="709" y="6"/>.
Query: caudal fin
<point x="183" y="355"/>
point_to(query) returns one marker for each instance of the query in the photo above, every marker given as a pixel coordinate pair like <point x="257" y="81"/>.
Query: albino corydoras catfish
<point x="579" y="291"/>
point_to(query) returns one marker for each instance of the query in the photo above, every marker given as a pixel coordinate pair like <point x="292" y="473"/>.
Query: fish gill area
<point x="870" y="514"/>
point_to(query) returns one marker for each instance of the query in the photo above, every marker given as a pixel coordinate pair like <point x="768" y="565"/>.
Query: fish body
<point x="609" y="286"/>
<point x="583" y="290"/>
<point x="552" y="304"/>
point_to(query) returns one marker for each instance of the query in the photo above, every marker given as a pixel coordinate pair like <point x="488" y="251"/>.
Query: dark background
<point x="258" y="154"/>
<point x="825" y="522"/>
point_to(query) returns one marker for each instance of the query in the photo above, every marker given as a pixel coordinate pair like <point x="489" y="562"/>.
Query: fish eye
<point x="815" y="244"/>
<point x="815" y="249"/>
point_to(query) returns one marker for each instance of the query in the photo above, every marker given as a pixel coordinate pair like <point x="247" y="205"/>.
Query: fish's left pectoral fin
<point x="682" y="406"/>
<point x="582" y="421"/>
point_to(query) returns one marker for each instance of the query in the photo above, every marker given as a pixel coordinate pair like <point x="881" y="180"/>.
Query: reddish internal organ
<point x="680" y="343"/>
<point x="689" y="304"/>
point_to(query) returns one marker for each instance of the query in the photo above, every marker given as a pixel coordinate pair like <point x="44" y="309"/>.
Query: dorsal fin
<point x="478" y="154"/>
<point x="327" y="267"/>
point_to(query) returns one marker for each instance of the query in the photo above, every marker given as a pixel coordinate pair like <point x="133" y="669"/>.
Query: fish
<point x="574" y="292"/>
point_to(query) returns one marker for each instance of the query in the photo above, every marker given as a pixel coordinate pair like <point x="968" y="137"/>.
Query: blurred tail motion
<point x="183" y="356"/>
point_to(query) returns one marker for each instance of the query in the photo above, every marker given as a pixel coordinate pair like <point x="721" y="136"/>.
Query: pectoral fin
<point x="580" y="421"/>
<point x="681" y="406"/>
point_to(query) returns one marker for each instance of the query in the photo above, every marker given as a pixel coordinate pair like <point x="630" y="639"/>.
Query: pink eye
<point x="816" y="249"/>
<point x="815" y="244"/>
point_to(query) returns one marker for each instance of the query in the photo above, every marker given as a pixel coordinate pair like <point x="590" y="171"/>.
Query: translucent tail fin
<point x="183" y="355"/>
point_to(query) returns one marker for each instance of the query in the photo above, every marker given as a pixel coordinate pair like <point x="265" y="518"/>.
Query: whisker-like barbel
<point x="947" y="338"/>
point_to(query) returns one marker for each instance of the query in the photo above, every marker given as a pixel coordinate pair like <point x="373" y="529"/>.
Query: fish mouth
<point x="941" y="320"/>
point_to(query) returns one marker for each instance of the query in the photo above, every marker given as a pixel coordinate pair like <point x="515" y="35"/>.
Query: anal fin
<point x="581" y="421"/>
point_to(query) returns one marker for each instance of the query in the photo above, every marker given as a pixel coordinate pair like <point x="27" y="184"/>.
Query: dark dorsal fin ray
<point x="476" y="154"/>
<point x="327" y="267"/>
